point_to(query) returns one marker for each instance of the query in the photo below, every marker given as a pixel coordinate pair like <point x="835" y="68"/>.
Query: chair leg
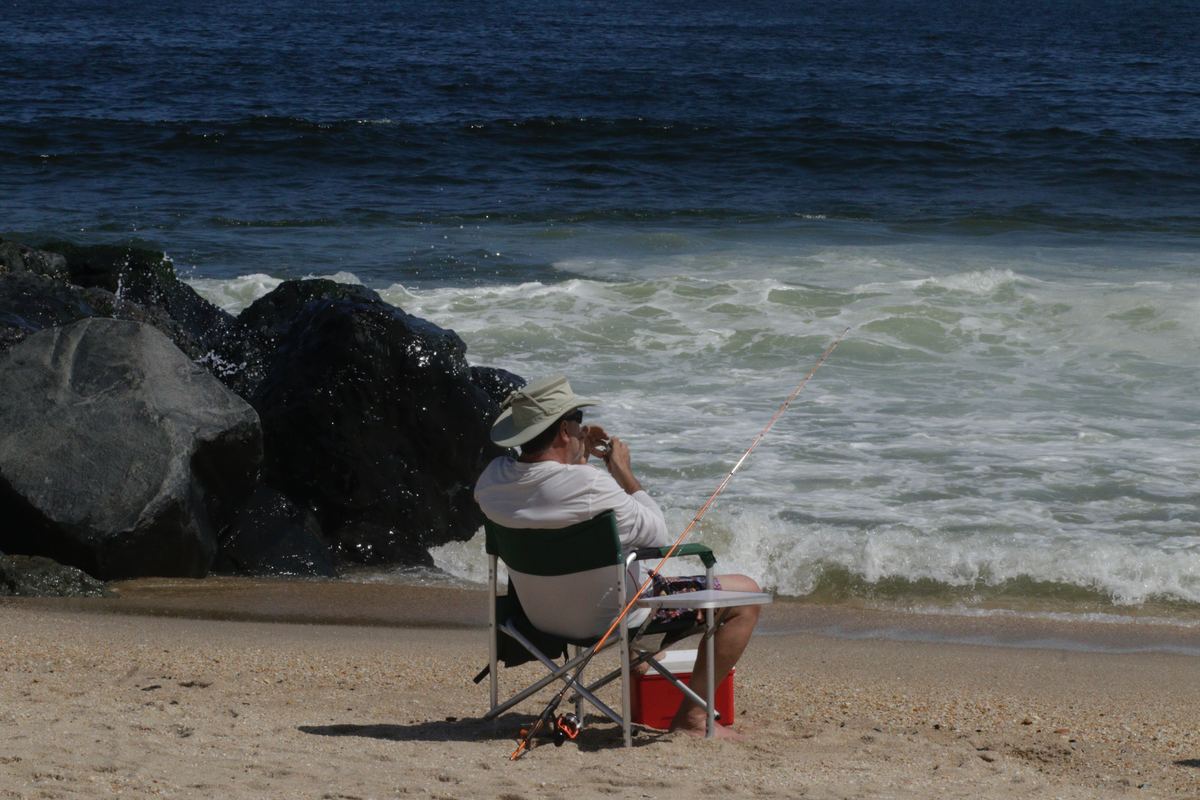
<point x="556" y="672"/>
<point x="710" y="689"/>
<point x="528" y="691"/>
<point x="626" y="691"/>
<point x="579" y="679"/>
<point x="494" y="678"/>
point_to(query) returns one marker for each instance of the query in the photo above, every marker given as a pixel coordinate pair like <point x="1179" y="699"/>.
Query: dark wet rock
<point x="20" y="258"/>
<point x="372" y="542"/>
<point x="135" y="273"/>
<point x="30" y="302"/>
<point x="266" y="321"/>
<point x="118" y="455"/>
<point x="271" y="535"/>
<point x="35" y="576"/>
<point x="270" y="316"/>
<point x="498" y="383"/>
<point x="371" y="418"/>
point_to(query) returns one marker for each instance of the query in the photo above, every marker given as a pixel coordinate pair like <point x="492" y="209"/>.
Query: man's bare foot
<point x="643" y="667"/>
<point x="695" y="724"/>
<point x="719" y="731"/>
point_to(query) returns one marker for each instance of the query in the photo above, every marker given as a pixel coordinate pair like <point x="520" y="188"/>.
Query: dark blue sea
<point x="237" y="134"/>
<point x="680" y="205"/>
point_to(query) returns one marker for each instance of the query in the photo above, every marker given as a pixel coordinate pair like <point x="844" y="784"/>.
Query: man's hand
<point x="619" y="466"/>
<point x="595" y="441"/>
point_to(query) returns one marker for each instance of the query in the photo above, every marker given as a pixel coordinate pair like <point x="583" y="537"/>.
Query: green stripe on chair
<point x="556" y="551"/>
<point x="703" y="551"/>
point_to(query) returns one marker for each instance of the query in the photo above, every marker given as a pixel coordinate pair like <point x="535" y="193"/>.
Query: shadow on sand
<point x="1188" y="762"/>
<point x="601" y="736"/>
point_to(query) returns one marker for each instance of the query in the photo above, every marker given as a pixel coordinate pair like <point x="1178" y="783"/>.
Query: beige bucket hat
<point x="530" y="410"/>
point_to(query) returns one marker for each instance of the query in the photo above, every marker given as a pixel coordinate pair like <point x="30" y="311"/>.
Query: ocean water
<point x="680" y="206"/>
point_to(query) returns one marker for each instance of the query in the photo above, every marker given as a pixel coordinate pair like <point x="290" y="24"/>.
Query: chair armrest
<point x="704" y="552"/>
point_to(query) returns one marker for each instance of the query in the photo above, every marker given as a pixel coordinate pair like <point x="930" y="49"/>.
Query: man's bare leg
<point x="728" y="643"/>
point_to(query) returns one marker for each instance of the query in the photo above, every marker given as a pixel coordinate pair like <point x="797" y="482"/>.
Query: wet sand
<point x="332" y="689"/>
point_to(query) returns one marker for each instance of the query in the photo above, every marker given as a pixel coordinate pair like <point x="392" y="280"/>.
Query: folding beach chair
<point x="565" y="580"/>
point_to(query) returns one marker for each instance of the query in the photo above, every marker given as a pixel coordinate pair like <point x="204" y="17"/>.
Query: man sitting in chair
<point x="551" y="485"/>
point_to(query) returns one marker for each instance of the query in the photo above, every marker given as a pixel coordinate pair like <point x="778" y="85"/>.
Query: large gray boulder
<point x="119" y="455"/>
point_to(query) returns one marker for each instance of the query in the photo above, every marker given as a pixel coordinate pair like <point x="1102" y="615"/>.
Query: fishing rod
<point x="570" y="727"/>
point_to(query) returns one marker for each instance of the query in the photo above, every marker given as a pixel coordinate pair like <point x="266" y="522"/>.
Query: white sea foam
<point x="790" y="558"/>
<point x="340" y="276"/>
<point x="990" y="418"/>
<point x="234" y="295"/>
<point x="1098" y="617"/>
<point x="983" y="282"/>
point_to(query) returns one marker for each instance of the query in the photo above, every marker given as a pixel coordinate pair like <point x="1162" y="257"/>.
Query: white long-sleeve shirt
<point x="547" y="494"/>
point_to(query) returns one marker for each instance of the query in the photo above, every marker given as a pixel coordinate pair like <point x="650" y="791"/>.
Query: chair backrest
<point x="556" y="551"/>
<point x="569" y="578"/>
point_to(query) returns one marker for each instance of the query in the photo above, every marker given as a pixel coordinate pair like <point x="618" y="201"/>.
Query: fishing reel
<point x="566" y="726"/>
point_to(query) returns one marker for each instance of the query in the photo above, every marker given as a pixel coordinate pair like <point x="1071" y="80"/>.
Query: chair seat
<point x="635" y="629"/>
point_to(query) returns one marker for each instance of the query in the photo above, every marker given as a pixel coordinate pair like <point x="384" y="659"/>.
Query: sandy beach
<point x="224" y="688"/>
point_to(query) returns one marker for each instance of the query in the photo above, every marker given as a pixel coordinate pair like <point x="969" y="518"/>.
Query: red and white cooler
<point x="655" y="699"/>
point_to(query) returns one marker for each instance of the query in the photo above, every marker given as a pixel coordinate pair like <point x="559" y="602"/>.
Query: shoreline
<point x="432" y="605"/>
<point x="152" y="704"/>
